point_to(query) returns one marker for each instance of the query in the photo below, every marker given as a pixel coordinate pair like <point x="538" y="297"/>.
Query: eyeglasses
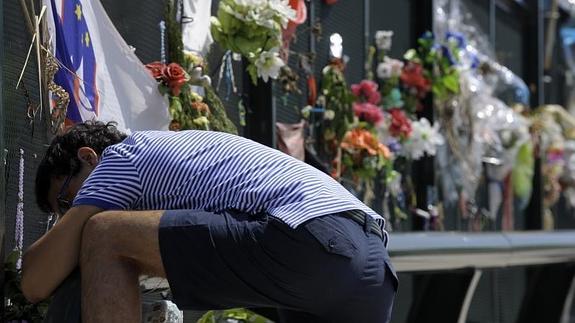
<point x="63" y="203"/>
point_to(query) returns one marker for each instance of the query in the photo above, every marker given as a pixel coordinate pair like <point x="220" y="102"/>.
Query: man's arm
<point x="53" y="257"/>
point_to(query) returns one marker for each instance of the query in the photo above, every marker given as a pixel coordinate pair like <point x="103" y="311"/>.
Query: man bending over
<point x="228" y="222"/>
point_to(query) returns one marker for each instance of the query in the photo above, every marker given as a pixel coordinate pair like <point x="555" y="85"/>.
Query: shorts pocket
<point x="393" y="275"/>
<point x="330" y="234"/>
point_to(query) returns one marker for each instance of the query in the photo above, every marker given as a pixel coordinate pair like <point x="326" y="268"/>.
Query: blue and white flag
<point x="105" y="79"/>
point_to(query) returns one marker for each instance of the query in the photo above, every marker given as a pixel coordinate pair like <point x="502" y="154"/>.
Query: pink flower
<point x="367" y="91"/>
<point x="368" y="112"/>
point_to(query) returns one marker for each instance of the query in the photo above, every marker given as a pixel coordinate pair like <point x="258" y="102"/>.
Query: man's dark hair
<point x="61" y="157"/>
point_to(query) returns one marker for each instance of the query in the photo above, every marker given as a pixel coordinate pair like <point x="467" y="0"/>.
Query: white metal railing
<point x="431" y="251"/>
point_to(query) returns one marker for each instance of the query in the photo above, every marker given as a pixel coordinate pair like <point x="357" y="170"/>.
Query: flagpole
<point x="26" y="13"/>
<point x="41" y="75"/>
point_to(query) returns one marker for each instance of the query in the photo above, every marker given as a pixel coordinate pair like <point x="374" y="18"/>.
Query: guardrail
<point x="449" y="266"/>
<point x="431" y="251"/>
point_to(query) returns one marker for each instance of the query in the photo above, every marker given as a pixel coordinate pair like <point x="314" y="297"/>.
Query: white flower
<point x="383" y="71"/>
<point x="268" y="64"/>
<point x="305" y="112"/>
<point x="424" y="139"/>
<point x="329" y="115"/>
<point x="261" y="12"/>
<point x="383" y="39"/>
<point x="389" y="68"/>
<point x="283" y="11"/>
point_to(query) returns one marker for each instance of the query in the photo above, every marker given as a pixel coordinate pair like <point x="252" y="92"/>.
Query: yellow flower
<point x="202" y="122"/>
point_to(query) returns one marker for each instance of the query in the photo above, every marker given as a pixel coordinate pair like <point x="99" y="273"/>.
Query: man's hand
<point x="53" y="257"/>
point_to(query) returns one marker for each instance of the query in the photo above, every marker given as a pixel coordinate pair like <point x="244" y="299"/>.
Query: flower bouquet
<point x="253" y="28"/>
<point x="431" y="66"/>
<point x="362" y="154"/>
<point x="186" y="107"/>
<point x="193" y="102"/>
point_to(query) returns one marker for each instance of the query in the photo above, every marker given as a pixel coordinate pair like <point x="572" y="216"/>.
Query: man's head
<point x="69" y="160"/>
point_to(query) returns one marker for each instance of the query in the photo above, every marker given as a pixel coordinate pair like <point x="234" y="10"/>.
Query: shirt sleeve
<point x="113" y="185"/>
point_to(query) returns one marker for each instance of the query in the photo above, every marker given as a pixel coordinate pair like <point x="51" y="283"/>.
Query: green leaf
<point x="451" y="82"/>
<point x="12" y="259"/>
<point x="163" y="89"/>
<point x="439" y="91"/>
<point x="410" y="54"/>
<point x="252" y="70"/>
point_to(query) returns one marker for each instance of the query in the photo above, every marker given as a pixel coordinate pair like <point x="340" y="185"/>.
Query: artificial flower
<point x="400" y="126"/>
<point x="261" y="12"/>
<point x="193" y="59"/>
<point x="389" y="68"/>
<point x="253" y="28"/>
<point x="412" y="77"/>
<point x="329" y="115"/>
<point x="383" y="39"/>
<point x="196" y="97"/>
<point x="447" y="53"/>
<point x="393" y="99"/>
<point x="362" y="154"/>
<point x="424" y="139"/>
<point x="156" y="69"/>
<point x="283" y="11"/>
<point x="362" y="139"/>
<point x="383" y="71"/>
<point x="306" y="111"/>
<point x="175" y="77"/>
<point x="455" y="38"/>
<point x="369" y="112"/>
<point x="555" y="155"/>
<point x="367" y="91"/>
<point x="201" y="107"/>
<point x="269" y="64"/>
<point x="394" y="145"/>
<point x="202" y="122"/>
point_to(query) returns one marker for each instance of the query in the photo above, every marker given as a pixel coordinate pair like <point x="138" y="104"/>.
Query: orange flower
<point x="361" y="139"/>
<point x="201" y="107"/>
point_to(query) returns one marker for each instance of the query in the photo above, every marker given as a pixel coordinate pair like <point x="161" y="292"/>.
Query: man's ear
<point x="88" y="156"/>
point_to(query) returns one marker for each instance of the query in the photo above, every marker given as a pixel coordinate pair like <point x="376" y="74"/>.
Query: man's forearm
<point x="51" y="259"/>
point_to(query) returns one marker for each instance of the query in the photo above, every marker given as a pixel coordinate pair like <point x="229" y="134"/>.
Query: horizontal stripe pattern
<point x="212" y="171"/>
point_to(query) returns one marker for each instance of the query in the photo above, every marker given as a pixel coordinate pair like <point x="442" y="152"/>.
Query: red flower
<point x="156" y="69"/>
<point x="367" y="90"/>
<point x="368" y="112"/>
<point x="412" y="76"/>
<point x="400" y="124"/>
<point x="175" y="77"/>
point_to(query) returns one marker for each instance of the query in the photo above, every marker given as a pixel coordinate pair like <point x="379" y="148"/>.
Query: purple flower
<point x="393" y="145"/>
<point x="457" y="38"/>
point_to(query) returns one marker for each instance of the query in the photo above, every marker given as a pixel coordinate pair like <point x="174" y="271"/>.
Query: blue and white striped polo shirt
<point x="212" y="171"/>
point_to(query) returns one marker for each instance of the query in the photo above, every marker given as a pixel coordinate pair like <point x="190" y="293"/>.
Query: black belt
<point x="362" y="218"/>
